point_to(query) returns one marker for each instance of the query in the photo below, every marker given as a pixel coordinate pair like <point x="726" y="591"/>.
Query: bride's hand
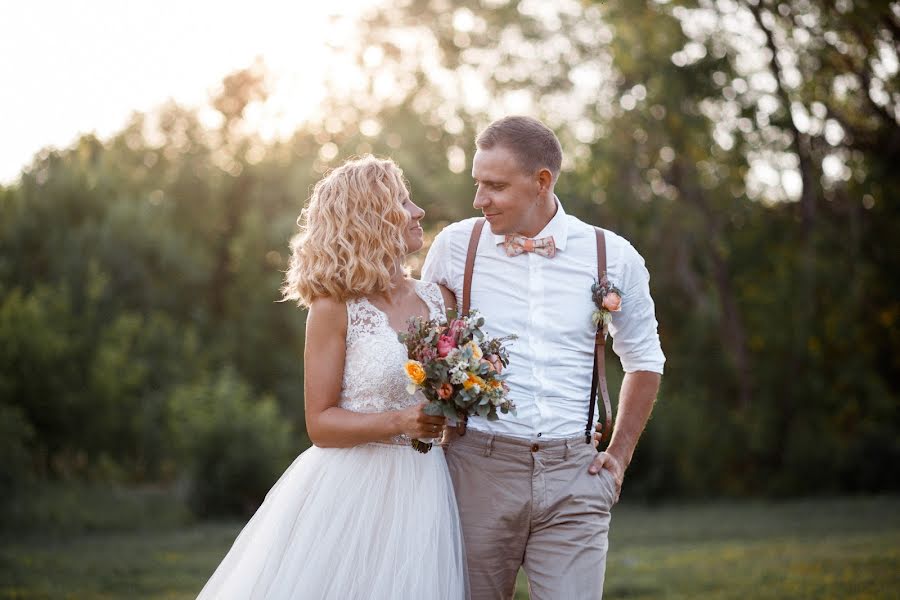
<point x="418" y="425"/>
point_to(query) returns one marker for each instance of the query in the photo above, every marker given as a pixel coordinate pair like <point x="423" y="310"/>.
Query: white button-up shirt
<point x="547" y="303"/>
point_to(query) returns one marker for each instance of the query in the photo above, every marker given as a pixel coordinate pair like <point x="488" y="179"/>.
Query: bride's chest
<point x="375" y="358"/>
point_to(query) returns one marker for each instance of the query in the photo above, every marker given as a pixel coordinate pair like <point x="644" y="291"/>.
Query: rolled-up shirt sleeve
<point x="634" y="327"/>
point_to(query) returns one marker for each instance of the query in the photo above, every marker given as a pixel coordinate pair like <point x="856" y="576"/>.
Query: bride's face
<point x="413" y="235"/>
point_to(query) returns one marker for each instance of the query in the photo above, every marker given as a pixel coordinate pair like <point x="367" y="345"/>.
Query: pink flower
<point x="426" y="354"/>
<point x="445" y="391"/>
<point x="612" y="302"/>
<point x="456" y="326"/>
<point x="493" y="361"/>
<point x="445" y="345"/>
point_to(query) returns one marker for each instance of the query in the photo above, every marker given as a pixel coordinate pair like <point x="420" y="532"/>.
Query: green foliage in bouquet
<point x="457" y="367"/>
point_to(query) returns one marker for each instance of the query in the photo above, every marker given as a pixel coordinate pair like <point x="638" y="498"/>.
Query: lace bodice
<point x="374" y="377"/>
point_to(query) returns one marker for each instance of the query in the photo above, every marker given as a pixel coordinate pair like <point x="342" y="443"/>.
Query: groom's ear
<point x="544" y="180"/>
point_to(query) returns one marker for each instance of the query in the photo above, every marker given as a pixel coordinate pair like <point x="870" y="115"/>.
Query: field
<point x="840" y="548"/>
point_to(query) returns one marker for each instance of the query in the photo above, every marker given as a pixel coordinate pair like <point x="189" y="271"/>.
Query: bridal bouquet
<point x="457" y="368"/>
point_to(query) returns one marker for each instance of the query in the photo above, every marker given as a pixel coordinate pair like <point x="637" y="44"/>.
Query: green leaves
<point x="435" y="409"/>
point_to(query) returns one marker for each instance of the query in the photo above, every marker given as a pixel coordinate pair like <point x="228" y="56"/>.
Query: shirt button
<point x="534" y="448"/>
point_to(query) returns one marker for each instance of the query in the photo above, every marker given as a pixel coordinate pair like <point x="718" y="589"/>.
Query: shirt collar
<point x="558" y="227"/>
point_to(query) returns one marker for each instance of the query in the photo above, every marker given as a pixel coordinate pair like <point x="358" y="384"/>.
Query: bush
<point x="16" y="434"/>
<point x="56" y="508"/>
<point x="235" y="445"/>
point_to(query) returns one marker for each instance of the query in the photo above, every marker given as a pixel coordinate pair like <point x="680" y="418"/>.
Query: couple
<point x="361" y="515"/>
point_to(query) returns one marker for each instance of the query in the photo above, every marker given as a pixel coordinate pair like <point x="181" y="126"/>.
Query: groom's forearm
<point x="636" y="398"/>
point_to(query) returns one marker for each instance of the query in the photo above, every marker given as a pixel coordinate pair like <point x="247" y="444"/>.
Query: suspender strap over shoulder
<point x="598" y="378"/>
<point x="470" y="265"/>
<point x="467" y="292"/>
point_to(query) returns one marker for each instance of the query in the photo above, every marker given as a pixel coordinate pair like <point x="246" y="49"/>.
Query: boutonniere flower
<point x="608" y="299"/>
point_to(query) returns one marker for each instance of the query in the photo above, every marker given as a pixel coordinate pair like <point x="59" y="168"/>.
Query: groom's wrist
<point x="621" y="457"/>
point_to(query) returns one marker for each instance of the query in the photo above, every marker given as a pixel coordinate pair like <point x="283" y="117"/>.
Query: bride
<point x="360" y="514"/>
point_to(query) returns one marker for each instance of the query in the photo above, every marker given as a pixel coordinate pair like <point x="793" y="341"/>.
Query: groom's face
<point x="506" y="195"/>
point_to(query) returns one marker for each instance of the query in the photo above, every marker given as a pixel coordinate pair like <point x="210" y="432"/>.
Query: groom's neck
<point x="543" y="213"/>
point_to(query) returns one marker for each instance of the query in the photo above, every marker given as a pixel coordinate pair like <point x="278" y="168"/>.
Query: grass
<point x="843" y="548"/>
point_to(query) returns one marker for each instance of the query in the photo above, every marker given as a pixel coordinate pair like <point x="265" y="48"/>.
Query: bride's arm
<point x="327" y="424"/>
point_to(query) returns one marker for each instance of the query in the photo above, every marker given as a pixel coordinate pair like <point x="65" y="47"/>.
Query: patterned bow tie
<point x="517" y="244"/>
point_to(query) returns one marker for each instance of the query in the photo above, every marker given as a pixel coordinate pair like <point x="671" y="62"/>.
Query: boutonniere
<point x="608" y="299"/>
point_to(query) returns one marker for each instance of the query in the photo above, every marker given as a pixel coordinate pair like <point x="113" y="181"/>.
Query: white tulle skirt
<point x="374" y="521"/>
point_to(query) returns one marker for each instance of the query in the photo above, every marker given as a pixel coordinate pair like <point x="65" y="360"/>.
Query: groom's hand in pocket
<point x="605" y="460"/>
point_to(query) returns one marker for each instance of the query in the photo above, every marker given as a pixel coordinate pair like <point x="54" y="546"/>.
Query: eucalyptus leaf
<point x="448" y="410"/>
<point x="434" y="409"/>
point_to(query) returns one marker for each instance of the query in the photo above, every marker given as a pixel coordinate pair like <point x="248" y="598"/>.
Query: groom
<point x="532" y="492"/>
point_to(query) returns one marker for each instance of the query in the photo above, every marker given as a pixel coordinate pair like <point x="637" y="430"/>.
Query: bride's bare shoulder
<point x="327" y="311"/>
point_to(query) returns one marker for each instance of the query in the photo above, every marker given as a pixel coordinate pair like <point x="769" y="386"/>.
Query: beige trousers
<point x="531" y="503"/>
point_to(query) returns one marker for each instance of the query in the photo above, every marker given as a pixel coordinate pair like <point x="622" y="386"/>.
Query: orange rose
<point x="415" y="371"/>
<point x="473" y="380"/>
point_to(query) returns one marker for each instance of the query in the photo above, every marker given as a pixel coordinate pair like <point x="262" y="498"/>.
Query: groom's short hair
<point x="533" y="144"/>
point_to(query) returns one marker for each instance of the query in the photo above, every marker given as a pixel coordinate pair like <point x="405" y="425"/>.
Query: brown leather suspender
<point x="470" y="265"/>
<point x="598" y="378"/>
<point x="467" y="292"/>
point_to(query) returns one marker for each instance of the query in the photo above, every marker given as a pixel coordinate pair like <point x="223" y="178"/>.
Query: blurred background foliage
<point x="749" y="150"/>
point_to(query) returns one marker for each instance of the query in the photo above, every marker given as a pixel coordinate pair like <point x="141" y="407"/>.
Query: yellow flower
<point x="476" y="351"/>
<point x="415" y="371"/>
<point x="473" y="380"/>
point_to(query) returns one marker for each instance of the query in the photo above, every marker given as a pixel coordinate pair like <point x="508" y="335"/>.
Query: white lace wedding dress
<point x="376" y="521"/>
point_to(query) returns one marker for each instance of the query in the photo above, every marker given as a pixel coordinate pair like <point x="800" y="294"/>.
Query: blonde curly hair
<point x="351" y="233"/>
